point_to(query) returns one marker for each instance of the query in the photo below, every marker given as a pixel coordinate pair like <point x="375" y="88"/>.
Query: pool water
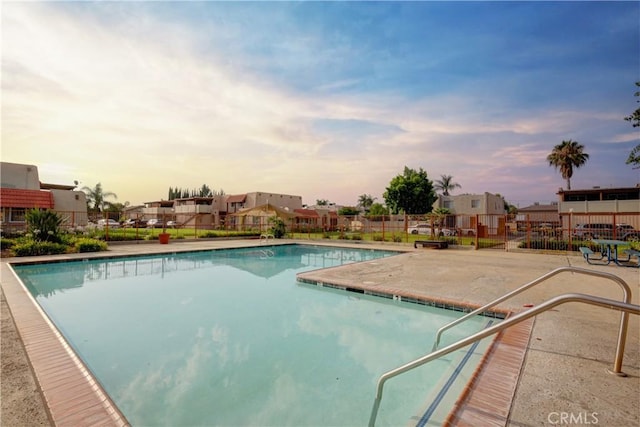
<point x="228" y="337"/>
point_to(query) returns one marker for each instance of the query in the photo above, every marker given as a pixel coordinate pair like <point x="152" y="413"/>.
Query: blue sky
<point x="327" y="100"/>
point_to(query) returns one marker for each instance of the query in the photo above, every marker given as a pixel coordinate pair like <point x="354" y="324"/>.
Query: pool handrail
<point x="625" y="307"/>
<point x="623" y="320"/>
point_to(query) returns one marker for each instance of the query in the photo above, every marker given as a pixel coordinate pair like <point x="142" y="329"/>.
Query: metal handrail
<point x="625" y="307"/>
<point x="624" y="319"/>
<point x="266" y="236"/>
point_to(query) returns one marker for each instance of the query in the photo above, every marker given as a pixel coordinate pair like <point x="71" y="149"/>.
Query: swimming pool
<point x="230" y="338"/>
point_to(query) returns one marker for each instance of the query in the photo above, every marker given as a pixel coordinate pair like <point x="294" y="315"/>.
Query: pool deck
<point x="566" y="354"/>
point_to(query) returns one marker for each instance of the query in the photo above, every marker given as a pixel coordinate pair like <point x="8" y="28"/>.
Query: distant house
<point x="216" y="211"/>
<point x="539" y="213"/>
<point x="21" y="189"/>
<point x="474" y="211"/>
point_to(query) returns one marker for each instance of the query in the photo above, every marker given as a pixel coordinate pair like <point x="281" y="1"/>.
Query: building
<point x="21" y="189"/>
<point x="474" y="211"/>
<point x="619" y="205"/>
<point x="538" y="213"/>
<point x="214" y="212"/>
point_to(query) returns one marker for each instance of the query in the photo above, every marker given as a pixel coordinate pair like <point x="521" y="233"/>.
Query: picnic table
<point x="610" y="250"/>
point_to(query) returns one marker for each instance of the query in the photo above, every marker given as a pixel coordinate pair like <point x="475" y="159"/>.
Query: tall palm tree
<point x="97" y="196"/>
<point x="445" y="184"/>
<point x="566" y="156"/>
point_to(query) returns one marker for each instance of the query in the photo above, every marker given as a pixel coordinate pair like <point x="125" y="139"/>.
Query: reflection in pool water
<point x="230" y="338"/>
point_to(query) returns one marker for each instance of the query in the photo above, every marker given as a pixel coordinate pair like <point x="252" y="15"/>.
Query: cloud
<point x="246" y="98"/>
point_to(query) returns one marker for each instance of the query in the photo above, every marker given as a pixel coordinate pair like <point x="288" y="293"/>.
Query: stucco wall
<point x="14" y="175"/>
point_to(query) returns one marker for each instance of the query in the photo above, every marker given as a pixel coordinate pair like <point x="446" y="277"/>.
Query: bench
<point x="632" y="253"/>
<point x="437" y="244"/>
<point x="587" y="255"/>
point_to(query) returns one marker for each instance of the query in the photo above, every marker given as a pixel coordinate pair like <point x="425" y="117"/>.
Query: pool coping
<point x="73" y="397"/>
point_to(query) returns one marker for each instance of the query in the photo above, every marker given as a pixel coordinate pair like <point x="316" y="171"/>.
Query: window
<point x="17" y="215"/>
<point x="475" y="203"/>
<point x="448" y="204"/>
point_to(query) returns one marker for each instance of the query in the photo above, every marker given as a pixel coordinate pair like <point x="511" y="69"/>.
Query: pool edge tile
<point x="40" y="338"/>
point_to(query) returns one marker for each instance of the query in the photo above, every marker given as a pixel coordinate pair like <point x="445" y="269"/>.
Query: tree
<point x="204" y="191"/>
<point x="322" y="202"/>
<point x="365" y="201"/>
<point x="349" y="211"/>
<point x="634" y="157"/>
<point x="565" y="157"/>
<point x="378" y="209"/>
<point x="634" y="118"/>
<point x="97" y="196"/>
<point x="411" y="192"/>
<point x="445" y="184"/>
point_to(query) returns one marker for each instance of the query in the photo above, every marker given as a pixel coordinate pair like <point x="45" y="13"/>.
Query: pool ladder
<point x="624" y="306"/>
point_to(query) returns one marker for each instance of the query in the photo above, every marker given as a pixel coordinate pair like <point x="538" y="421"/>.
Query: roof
<point x="265" y="211"/>
<point x="539" y="208"/>
<point x="20" y="198"/>
<point x="240" y="198"/>
<point x="45" y="186"/>
<point x="307" y="213"/>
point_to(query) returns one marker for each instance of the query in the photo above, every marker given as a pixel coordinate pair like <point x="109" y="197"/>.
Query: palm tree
<point x="97" y="196"/>
<point x="365" y="201"/>
<point x="566" y="156"/>
<point x="445" y="184"/>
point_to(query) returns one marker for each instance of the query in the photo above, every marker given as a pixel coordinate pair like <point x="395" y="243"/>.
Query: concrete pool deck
<point x="563" y="378"/>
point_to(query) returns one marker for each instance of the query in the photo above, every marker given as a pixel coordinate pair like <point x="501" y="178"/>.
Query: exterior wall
<point x="283" y="201"/>
<point x="597" y="206"/>
<point x="72" y="205"/>
<point x="14" y="175"/>
<point x="471" y="204"/>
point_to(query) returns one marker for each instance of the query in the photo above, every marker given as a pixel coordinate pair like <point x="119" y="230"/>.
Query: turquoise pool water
<point x="228" y="337"/>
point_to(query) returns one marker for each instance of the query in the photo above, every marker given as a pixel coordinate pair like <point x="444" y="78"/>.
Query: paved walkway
<point x="564" y="379"/>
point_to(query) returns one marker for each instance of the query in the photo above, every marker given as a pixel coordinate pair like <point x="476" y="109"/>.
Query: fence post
<point x="506" y="232"/>
<point x="477" y="231"/>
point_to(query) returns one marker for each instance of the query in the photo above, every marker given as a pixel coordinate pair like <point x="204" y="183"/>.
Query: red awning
<point x="18" y="198"/>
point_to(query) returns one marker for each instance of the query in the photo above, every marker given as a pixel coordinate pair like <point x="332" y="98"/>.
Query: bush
<point x="556" y="245"/>
<point x="43" y="225"/>
<point x="6" y="243"/>
<point x="90" y="245"/>
<point x="34" y="248"/>
<point x="278" y="227"/>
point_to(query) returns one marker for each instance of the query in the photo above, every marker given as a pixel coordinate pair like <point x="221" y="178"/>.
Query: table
<point x="612" y="249"/>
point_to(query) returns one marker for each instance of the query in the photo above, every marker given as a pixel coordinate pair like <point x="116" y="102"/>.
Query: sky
<point x="325" y="100"/>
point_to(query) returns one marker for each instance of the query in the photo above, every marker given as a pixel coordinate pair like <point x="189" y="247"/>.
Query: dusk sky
<point x="326" y="100"/>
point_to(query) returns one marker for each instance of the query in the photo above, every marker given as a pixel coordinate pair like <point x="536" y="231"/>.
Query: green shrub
<point x="6" y="243"/>
<point x="556" y="245"/>
<point x="397" y="238"/>
<point x="278" y="227"/>
<point x="34" y="248"/>
<point x="43" y="225"/>
<point x="90" y="245"/>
